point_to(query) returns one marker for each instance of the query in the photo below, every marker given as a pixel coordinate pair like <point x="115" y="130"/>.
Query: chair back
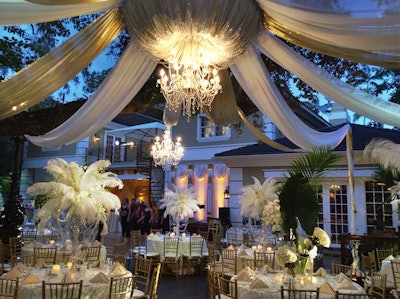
<point x="119" y="252"/>
<point x="396" y="272"/>
<point x="122" y="287"/>
<point x="227" y="288"/>
<point x="92" y="253"/>
<point x="212" y="281"/>
<point x="229" y="261"/>
<point x="381" y="254"/>
<point x="213" y="253"/>
<point x="138" y="244"/>
<point x="9" y="288"/>
<point x="171" y="245"/>
<point x="264" y="258"/>
<point x="347" y="295"/>
<point x="143" y="273"/>
<point x="196" y="246"/>
<point x="46" y="255"/>
<point x="376" y="285"/>
<point x="15" y="249"/>
<point x="340" y="268"/>
<point x="373" y="261"/>
<point x="154" y="282"/>
<point x="61" y="290"/>
<point x="291" y="293"/>
<point x="28" y="236"/>
<point x="367" y="265"/>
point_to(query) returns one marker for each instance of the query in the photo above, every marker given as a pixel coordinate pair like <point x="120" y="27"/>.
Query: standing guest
<point x="123" y="218"/>
<point x="147" y="219"/>
<point x="136" y="214"/>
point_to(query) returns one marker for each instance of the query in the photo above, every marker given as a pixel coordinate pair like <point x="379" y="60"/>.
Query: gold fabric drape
<point x="43" y="77"/>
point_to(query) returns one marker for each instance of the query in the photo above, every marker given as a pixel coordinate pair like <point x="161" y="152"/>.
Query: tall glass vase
<point x="305" y="265"/>
<point x="176" y="222"/>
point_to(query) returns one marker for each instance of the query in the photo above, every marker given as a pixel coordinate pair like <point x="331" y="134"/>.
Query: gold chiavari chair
<point x="15" y="245"/>
<point x="171" y="257"/>
<point x="46" y="255"/>
<point x="195" y="256"/>
<point x="227" y="288"/>
<point x="28" y="236"/>
<point x="381" y="254"/>
<point x="340" y="268"/>
<point x="122" y="287"/>
<point x="5" y="265"/>
<point x="154" y="282"/>
<point x="347" y="295"/>
<point x="212" y="281"/>
<point x="119" y="252"/>
<point x="143" y="273"/>
<point x="229" y="261"/>
<point x="9" y="288"/>
<point x="291" y="293"/>
<point x="367" y="265"/>
<point x="92" y="253"/>
<point x="395" y="264"/>
<point x="376" y="285"/>
<point x="61" y="290"/>
<point x="373" y="261"/>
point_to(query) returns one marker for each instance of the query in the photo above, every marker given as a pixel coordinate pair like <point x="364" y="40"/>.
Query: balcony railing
<point x="119" y="154"/>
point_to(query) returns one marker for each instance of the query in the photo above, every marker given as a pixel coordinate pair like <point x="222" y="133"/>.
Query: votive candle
<point x="69" y="266"/>
<point x="55" y="270"/>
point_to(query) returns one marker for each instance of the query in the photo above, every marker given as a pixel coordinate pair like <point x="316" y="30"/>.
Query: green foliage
<point x="5" y="188"/>
<point x="387" y="176"/>
<point x="297" y="193"/>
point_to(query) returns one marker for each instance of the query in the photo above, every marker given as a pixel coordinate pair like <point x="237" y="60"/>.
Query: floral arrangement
<point x="77" y="194"/>
<point x="260" y="201"/>
<point x="182" y="202"/>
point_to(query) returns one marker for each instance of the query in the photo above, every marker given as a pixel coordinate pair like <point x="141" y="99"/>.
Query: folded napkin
<point x="243" y="275"/>
<point x="389" y="258"/>
<point x="67" y="246"/>
<point x="346" y="284"/>
<point x="14" y="273"/>
<point x="69" y="277"/>
<point x="258" y="283"/>
<point x="31" y="279"/>
<point x="230" y="247"/>
<point x="340" y="277"/>
<point x="321" y="272"/>
<point x="96" y="244"/>
<point x="118" y="270"/>
<point x="21" y="268"/>
<point x="44" y="246"/>
<point x="151" y="235"/>
<point x="326" y="288"/>
<point x="100" y="278"/>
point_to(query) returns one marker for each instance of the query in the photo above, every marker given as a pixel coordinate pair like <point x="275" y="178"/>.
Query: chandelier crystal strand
<point x="190" y="87"/>
<point x="165" y="152"/>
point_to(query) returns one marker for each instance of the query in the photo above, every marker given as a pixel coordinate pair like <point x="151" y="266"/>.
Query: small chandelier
<point x="189" y="86"/>
<point x="165" y="152"/>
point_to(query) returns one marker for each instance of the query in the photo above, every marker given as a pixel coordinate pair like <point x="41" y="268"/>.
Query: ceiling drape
<point x="114" y="93"/>
<point x="368" y="33"/>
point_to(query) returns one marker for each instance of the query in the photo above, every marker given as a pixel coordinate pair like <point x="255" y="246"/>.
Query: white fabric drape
<point x="17" y="12"/>
<point x="372" y="26"/>
<point x="200" y="182"/>
<point x="50" y="72"/>
<point x="354" y="99"/>
<point x="116" y="91"/>
<point x="251" y="73"/>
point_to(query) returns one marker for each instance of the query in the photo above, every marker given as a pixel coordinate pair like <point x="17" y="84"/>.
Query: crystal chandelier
<point x="165" y="152"/>
<point x="189" y="86"/>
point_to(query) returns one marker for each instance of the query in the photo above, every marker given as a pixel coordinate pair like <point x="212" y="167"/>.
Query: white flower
<point x="285" y="255"/>
<point x="183" y="202"/>
<point x="76" y="193"/>
<point x="322" y="237"/>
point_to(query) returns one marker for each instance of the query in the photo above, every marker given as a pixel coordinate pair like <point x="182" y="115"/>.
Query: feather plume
<point x="76" y="194"/>
<point x="183" y="202"/>
<point x="384" y="152"/>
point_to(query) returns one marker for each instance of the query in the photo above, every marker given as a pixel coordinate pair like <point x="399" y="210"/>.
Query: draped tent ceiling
<point x="361" y="31"/>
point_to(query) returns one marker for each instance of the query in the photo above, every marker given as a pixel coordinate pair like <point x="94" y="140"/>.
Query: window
<point x="208" y="131"/>
<point x="378" y="206"/>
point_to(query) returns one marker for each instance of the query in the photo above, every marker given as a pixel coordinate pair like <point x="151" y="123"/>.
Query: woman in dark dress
<point x="123" y="218"/>
<point x="148" y="219"/>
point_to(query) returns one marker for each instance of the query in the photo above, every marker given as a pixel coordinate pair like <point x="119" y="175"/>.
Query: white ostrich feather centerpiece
<point x="77" y="194"/>
<point x="182" y="202"/>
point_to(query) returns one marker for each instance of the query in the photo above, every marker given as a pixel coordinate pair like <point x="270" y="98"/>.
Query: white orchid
<point x="76" y="193"/>
<point x="182" y="202"/>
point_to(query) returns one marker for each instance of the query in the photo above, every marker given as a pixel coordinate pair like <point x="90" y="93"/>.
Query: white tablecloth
<point x="274" y="282"/>
<point x="89" y="290"/>
<point x="156" y="243"/>
<point x="386" y="268"/>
